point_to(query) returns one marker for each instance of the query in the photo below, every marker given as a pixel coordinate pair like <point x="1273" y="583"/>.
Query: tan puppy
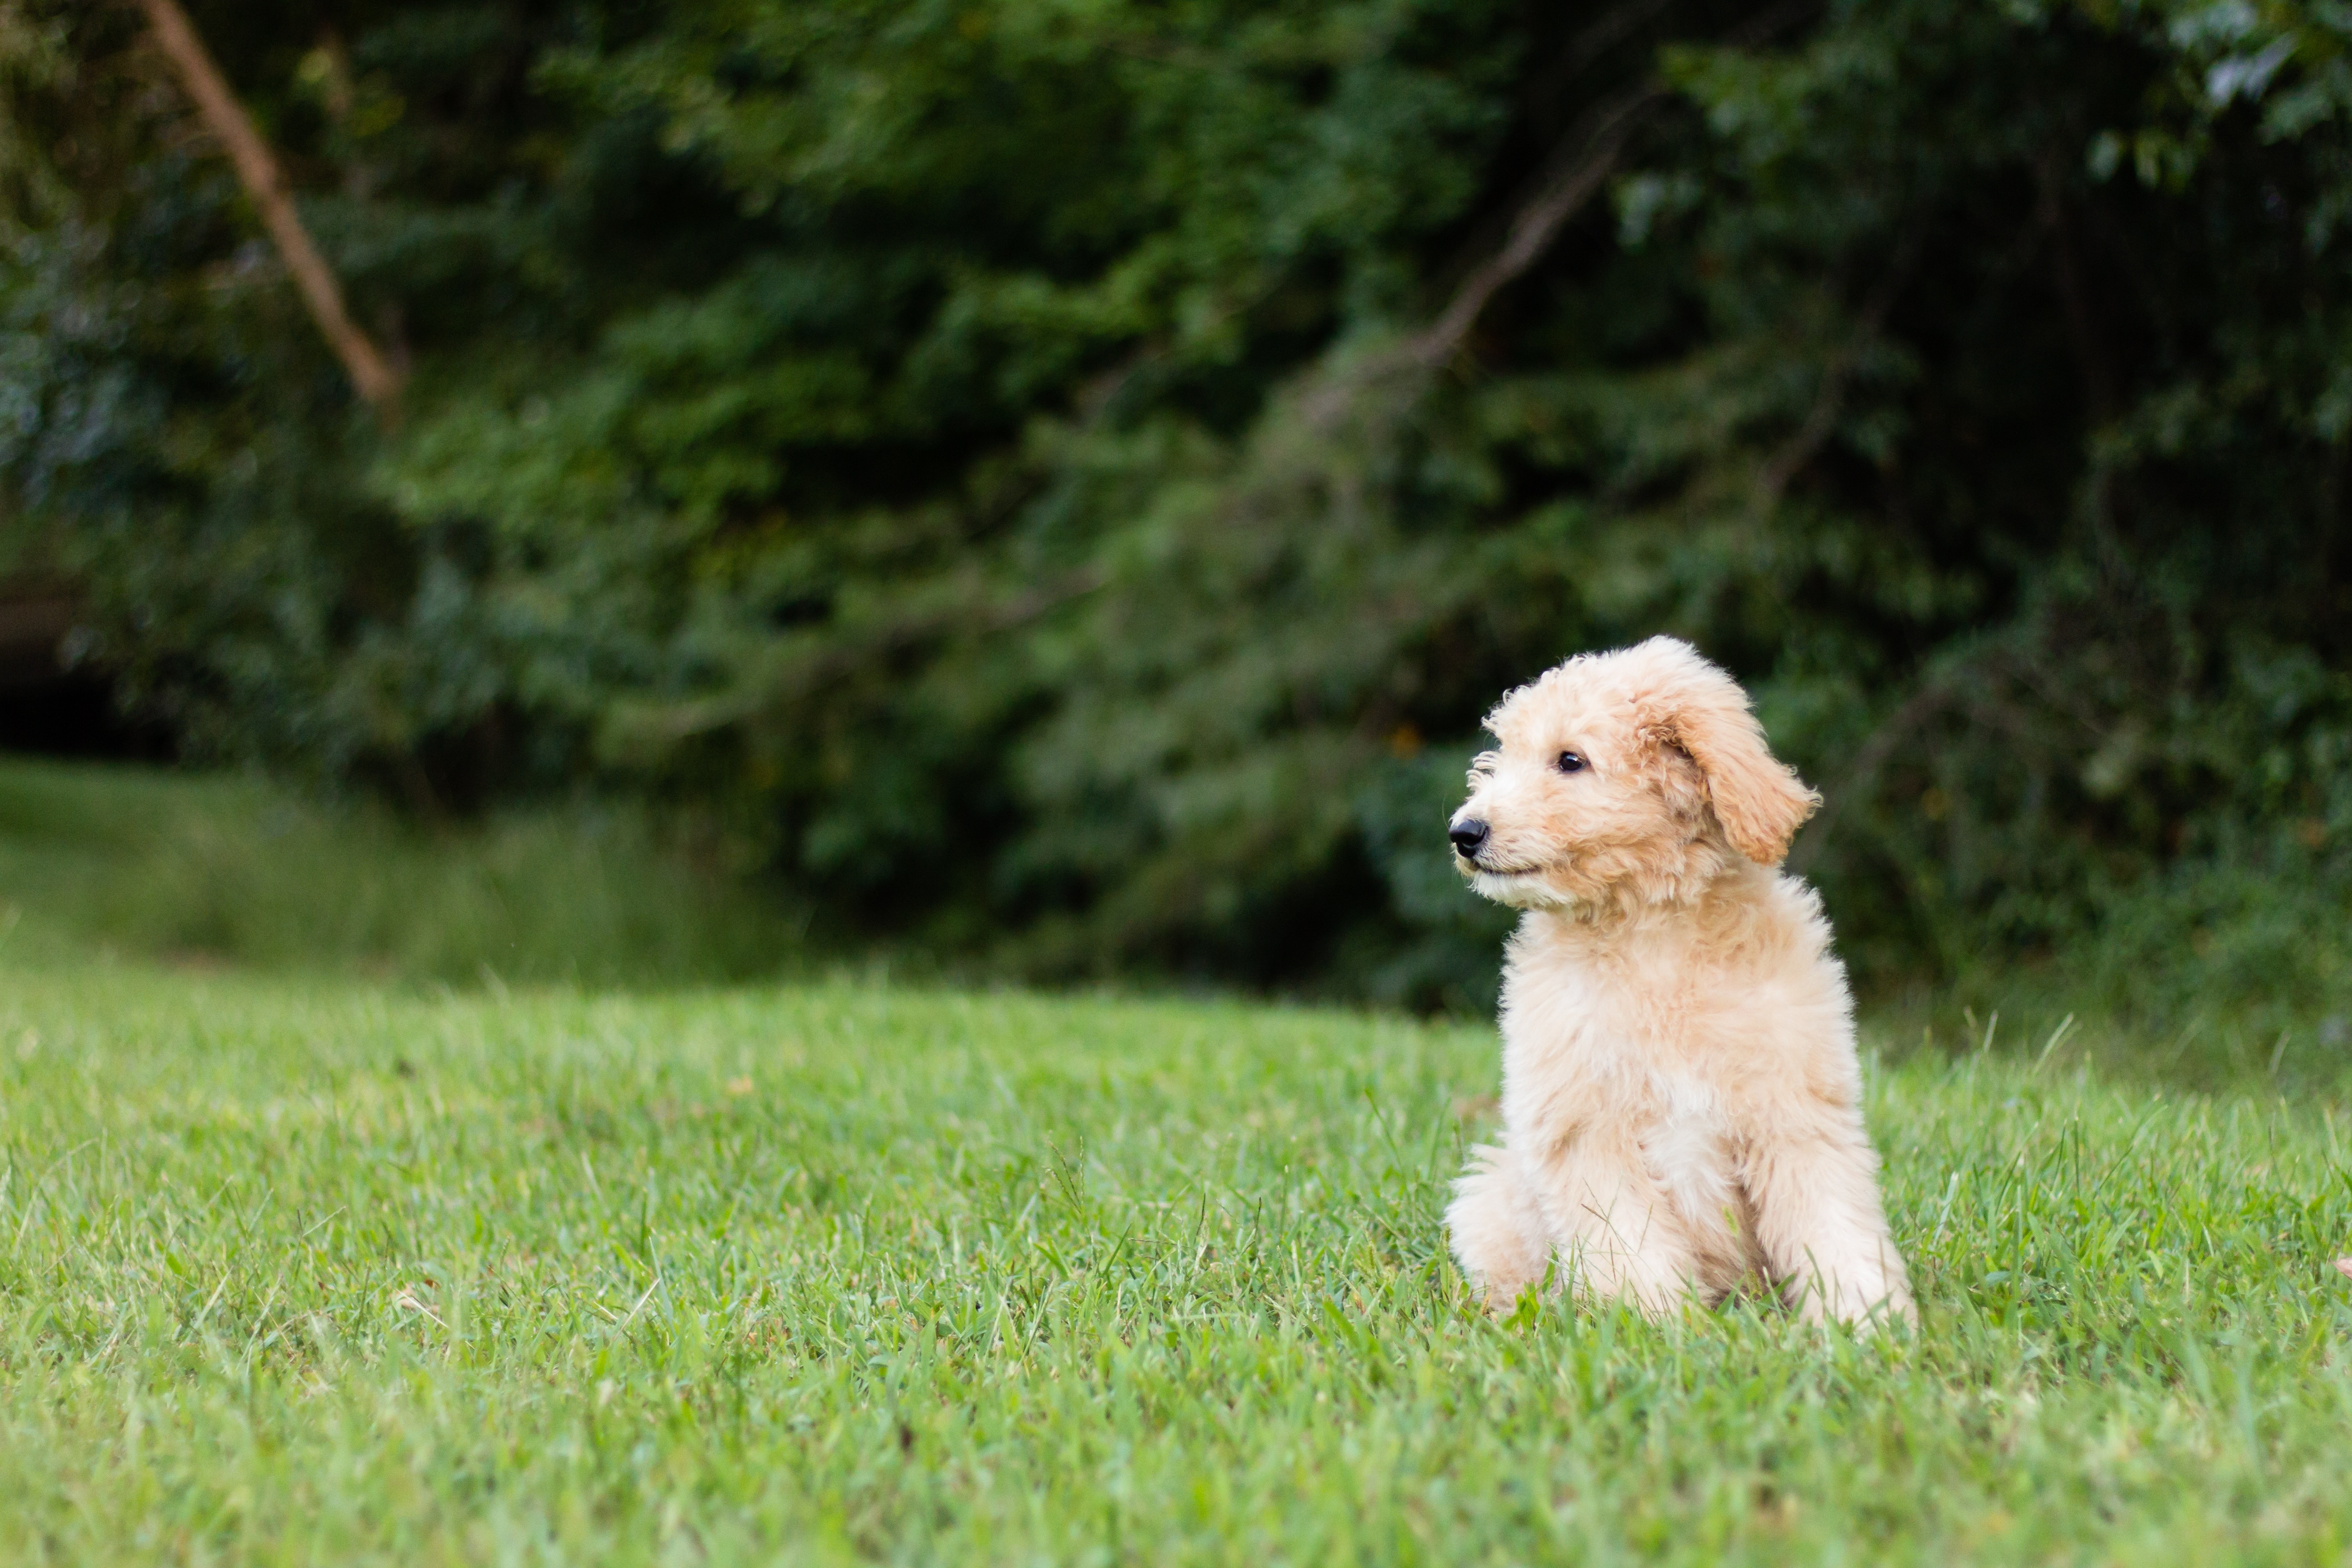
<point x="1681" y="1102"/>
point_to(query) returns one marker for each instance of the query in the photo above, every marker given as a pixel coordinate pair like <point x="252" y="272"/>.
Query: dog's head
<point x="1623" y="778"/>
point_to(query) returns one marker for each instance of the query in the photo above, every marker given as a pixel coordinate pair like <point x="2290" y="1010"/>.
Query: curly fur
<point x="1681" y="1099"/>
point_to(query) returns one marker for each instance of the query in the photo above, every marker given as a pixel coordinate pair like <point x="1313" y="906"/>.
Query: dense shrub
<point x="1063" y="480"/>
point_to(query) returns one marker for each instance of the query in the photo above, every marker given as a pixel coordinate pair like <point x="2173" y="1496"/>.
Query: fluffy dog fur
<point x="1681" y="1102"/>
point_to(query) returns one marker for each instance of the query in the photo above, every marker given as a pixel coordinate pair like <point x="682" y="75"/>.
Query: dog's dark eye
<point x="1571" y="762"/>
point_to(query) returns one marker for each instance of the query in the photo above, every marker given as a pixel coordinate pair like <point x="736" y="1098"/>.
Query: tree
<point x="1061" y="481"/>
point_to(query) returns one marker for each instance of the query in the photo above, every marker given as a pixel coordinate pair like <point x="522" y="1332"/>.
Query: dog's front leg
<point x="1499" y="1236"/>
<point x="1823" y="1232"/>
<point x="1615" y="1237"/>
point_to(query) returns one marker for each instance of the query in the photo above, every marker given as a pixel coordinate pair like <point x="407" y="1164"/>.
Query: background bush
<point x="1049" y="480"/>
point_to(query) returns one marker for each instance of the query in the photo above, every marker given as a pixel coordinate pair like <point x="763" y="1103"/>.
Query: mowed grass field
<point x="300" y="1268"/>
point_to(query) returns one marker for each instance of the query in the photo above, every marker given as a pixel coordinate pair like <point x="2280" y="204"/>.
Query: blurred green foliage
<point x="995" y="461"/>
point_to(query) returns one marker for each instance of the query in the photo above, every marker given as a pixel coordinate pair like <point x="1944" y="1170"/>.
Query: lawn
<point x="303" y="1267"/>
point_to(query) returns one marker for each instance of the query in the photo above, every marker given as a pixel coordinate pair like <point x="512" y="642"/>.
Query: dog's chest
<point x="1582" y="1059"/>
<point x="1686" y="1141"/>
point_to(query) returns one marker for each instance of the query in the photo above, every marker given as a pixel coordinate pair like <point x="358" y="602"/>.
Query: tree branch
<point x="1580" y="164"/>
<point x="257" y="169"/>
<point x="1577" y="169"/>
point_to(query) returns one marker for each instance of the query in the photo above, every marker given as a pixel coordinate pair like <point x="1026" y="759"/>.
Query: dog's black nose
<point x="1468" y="837"/>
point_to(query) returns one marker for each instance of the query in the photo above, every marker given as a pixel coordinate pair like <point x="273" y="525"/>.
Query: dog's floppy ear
<point x="1760" y="800"/>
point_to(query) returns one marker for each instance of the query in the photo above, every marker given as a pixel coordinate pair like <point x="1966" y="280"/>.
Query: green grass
<point x="206" y="871"/>
<point x="300" y="1268"/>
